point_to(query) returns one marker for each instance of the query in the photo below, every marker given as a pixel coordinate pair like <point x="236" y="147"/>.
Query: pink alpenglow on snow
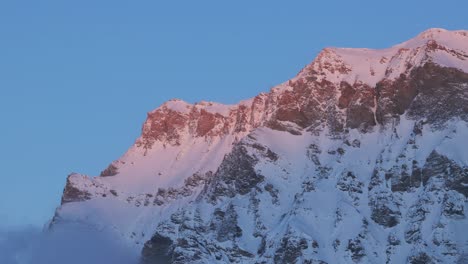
<point x="361" y="157"/>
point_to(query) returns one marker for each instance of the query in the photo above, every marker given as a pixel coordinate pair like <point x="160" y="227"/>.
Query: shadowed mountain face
<point x="362" y="157"/>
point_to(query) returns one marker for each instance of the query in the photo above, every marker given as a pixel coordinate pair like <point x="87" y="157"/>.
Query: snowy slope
<point x="369" y="66"/>
<point x="359" y="158"/>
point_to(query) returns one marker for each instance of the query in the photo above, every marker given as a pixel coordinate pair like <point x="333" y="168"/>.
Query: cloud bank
<point x="67" y="244"/>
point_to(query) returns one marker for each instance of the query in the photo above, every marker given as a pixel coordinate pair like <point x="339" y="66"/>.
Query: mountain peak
<point x="370" y="142"/>
<point x="455" y="39"/>
<point x="369" y="66"/>
<point x="432" y="31"/>
<point x="176" y="105"/>
<point x="360" y="68"/>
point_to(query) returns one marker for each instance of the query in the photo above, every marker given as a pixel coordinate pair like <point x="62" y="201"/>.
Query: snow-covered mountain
<point x="362" y="157"/>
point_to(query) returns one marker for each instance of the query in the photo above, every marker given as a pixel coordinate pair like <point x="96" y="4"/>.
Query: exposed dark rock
<point x="280" y="126"/>
<point x="197" y="179"/>
<point x="189" y="249"/>
<point x="190" y="184"/>
<point x="415" y="216"/>
<point x="315" y="159"/>
<point x="356" y="249"/>
<point x="336" y="244"/>
<point x="225" y="224"/>
<point x="273" y="192"/>
<point x="162" y="125"/>
<point x="293" y="115"/>
<point x="431" y="84"/>
<point x="73" y="194"/>
<point x="347" y="93"/>
<point x="417" y="129"/>
<point x="393" y="240"/>
<point x="262" y="247"/>
<point x="236" y="175"/>
<point x="375" y="180"/>
<point x="307" y="112"/>
<point x="453" y="176"/>
<point x="308" y="186"/>
<point x="421" y="258"/>
<point x="360" y="113"/>
<point x="315" y="244"/>
<point x="454" y="205"/>
<point x="356" y="143"/>
<point x="167" y="125"/>
<point x="402" y="181"/>
<point x="271" y="155"/>
<point x="314" y="261"/>
<point x="314" y="149"/>
<point x="111" y="170"/>
<point x="158" y="250"/>
<point x="259" y="147"/>
<point x="349" y="183"/>
<point x="441" y="88"/>
<point x="436" y="166"/>
<point x="416" y="176"/>
<point x="265" y="152"/>
<point x="206" y="123"/>
<point x="340" y="151"/>
<point x="290" y="250"/>
<point x="394" y="97"/>
<point x="384" y="209"/>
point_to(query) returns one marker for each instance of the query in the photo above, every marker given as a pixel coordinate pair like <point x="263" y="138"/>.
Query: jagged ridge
<point x="365" y="145"/>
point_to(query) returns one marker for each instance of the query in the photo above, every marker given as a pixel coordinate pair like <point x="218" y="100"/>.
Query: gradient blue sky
<point x="77" y="77"/>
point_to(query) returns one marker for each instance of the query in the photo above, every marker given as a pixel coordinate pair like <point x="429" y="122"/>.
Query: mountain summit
<point x="362" y="157"/>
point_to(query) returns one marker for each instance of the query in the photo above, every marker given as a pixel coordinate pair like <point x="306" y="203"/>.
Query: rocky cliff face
<point x="362" y="157"/>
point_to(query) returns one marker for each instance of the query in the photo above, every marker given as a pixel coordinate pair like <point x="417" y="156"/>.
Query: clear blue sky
<point x="77" y="77"/>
